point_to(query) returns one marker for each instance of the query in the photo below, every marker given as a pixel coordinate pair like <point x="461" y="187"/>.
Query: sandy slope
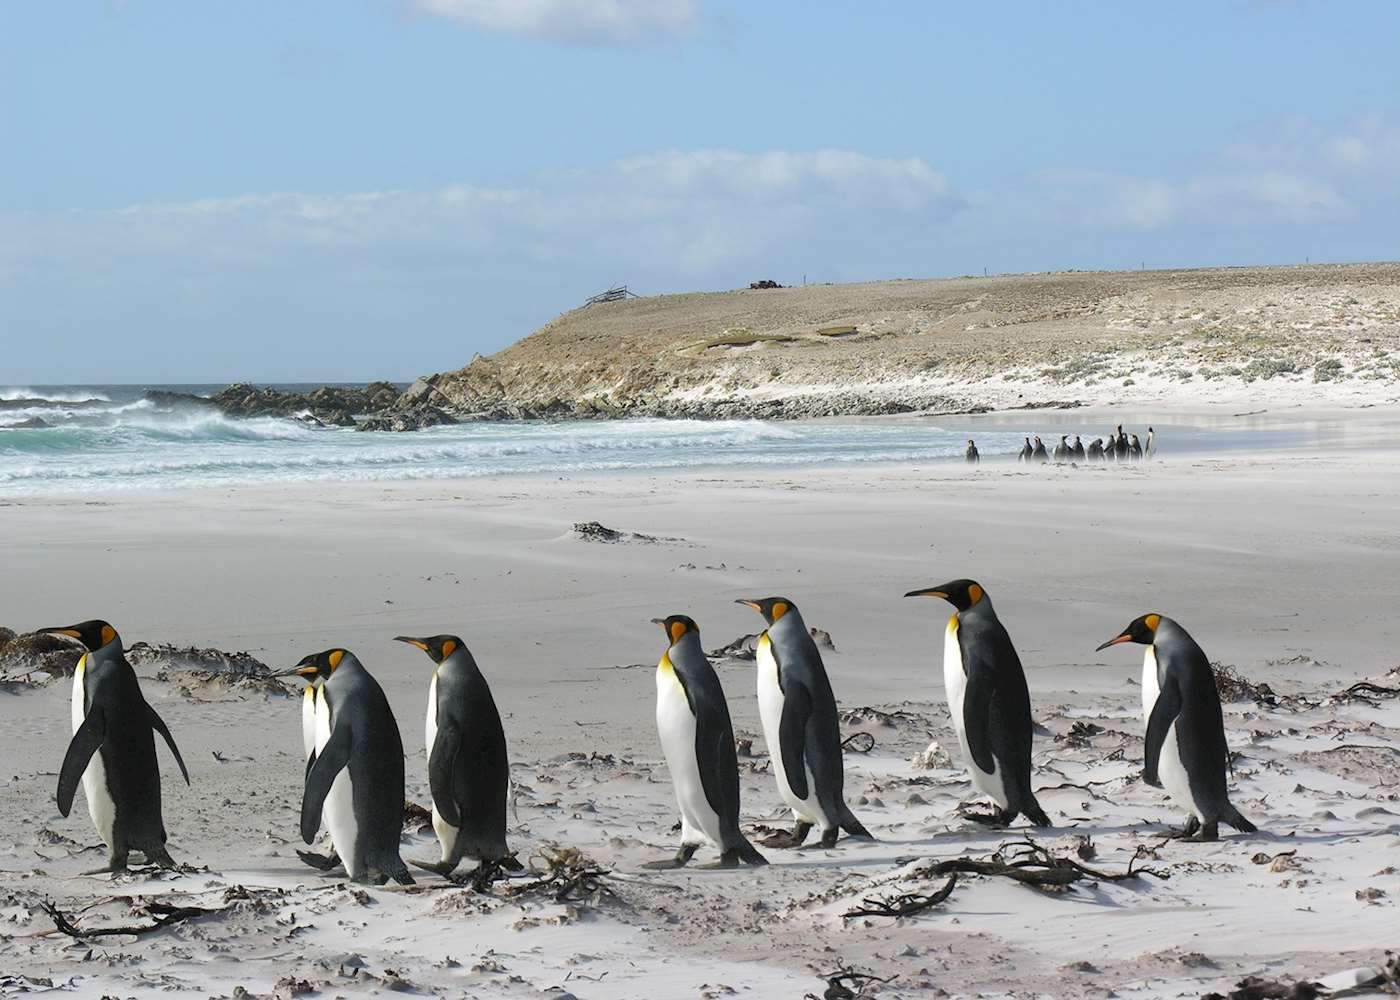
<point x="1324" y="334"/>
<point x="1281" y="564"/>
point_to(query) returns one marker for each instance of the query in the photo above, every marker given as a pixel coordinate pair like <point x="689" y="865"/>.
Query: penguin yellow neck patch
<point x="1152" y="621"/>
<point x="779" y="609"/>
<point x="677" y="630"/>
<point x="974" y="594"/>
<point x="336" y="656"/>
<point x="108" y="634"/>
<point x="665" y="664"/>
<point x="448" y="648"/>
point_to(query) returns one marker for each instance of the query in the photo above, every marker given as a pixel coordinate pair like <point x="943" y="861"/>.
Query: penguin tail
<point x="1233" y="817"/>
<point x="853" y="826"/>
<point x="747" y="853"/>
<point x="1036" y="814"/>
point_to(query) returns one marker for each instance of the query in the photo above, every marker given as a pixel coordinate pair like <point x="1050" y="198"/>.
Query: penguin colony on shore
<point x="354" y="776"/>
<point x="1120" y="447"/>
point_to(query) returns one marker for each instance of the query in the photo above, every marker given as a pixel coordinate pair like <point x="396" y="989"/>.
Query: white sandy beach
<point x="1281" y="563"/>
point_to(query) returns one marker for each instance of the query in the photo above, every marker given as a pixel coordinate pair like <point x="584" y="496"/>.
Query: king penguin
<point x="1186" y="751"/>
<point x="972" y="456"/>
<point x="357" y="778"/>
<point x="800" y="727"/>
<point x="1077" y="451"/>
<point x="113" y="750"/>
<point x="1039" y="453"/>
<point x="468" y="770"/>
<point x="1062" y="450"/>
<point x="1026" y="452"/>
<point x="989" y="702"/>
<point x="692" y="719"/>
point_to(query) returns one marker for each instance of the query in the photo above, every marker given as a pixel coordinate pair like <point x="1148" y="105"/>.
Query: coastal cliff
<point x="1325" y="333"/>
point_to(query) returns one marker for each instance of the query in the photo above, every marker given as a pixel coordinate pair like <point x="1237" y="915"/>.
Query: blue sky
<point x="196" y="191"/>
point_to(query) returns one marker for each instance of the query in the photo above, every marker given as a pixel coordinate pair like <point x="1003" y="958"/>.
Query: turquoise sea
<point x="113" y="437"/>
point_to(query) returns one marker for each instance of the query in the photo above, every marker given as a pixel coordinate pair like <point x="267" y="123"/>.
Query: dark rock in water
<point x="327" y="404"/>
<point x="191" y="667"/>
<point x="164" y="397"/>
<point x="37" y="652"/>
<point x="408" y="418"/>
<point x="33" y="423"/>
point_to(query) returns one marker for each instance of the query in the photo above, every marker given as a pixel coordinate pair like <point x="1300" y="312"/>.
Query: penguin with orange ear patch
<point x="357" y="780"/>
<point x="692" y="719"/>
<point x="801" y="728"/>
<point x="468" y="771"/>
<point x="113" y="750"/>
<point x="989" y="702"/>
<point x="1186" y="750"/>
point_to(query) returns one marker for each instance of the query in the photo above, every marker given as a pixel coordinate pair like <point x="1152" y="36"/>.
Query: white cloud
<point x="686" y="213"/>
<point x="577" y="22"/>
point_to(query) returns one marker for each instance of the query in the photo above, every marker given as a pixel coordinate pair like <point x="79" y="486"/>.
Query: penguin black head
<point x="438" y="647"/>
<point x="93" y="635"/>
<point x="1140" y="630"/>
<point x="771" y="608"/>
<point x="321" y="664"/>
<point x="961" y="594"/>
<point x="677" y="627"/>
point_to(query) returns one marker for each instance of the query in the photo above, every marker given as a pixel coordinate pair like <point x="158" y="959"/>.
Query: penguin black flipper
<point x="792" y="736"/>
<point x="719" y="765"/>
<point x="333" y="759"/>
<point x="1164" y="713"/>
<point x="158" y="724"/>
<point x="441" y="762"/>
<point x="86" y="742"/>
<point x="977" y="715"/>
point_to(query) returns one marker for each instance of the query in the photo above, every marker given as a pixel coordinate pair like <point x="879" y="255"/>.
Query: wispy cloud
<point x="574" y="22"/>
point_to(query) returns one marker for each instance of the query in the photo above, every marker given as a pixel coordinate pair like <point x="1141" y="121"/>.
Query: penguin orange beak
<point x="412" y="641"/>
<point x="71" y="633"/>
<point x="1113" y="642"/>
<point x="928" y="592"/>
<point x="746" y="602"/>
<point x="301" y="670"/>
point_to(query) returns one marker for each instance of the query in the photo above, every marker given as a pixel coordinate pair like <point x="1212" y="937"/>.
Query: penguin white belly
<point x="675" y="724"/>
<point x="770" y="710"/>
<point x="338" y="811"/>
<point x="99" y="799"/>
<point x="446" y="832"/>
<point x="1170" y="769"/>
<point x="308" y="720"/>
<point x="955" y="687"/>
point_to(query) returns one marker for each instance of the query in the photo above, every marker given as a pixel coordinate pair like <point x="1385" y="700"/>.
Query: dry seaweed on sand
<point x="1234" y="686"/>
<point x="161" y="914"/>
<point x="1022" y="861"/>
<point x="566" y="875"/>
<point x="848" y="984"/>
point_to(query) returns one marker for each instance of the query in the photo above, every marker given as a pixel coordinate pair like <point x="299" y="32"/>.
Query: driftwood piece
<point x="905" y="904"/>
<point x="163" y="915"/>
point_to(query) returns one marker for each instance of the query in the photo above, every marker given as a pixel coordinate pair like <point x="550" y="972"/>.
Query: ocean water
<point x="112" y="437"/>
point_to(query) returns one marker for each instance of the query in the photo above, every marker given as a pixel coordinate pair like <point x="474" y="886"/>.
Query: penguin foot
<point x="827" y="841"/>
<point x="1208" y="832"/>
<point x="783" y="839"/>
<point x="321" y="862"/>
<point x="999" y="819"/>
<point x="681" y="859"/>
<point x="1187" y="832"/>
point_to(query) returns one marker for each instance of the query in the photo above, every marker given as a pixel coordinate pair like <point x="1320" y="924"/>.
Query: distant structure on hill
<point x="613" y="294"/>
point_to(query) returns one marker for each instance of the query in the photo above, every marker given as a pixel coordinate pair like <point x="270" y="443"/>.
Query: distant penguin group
<point x="354" y="777"/>
<point x="1119" y="447"/>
